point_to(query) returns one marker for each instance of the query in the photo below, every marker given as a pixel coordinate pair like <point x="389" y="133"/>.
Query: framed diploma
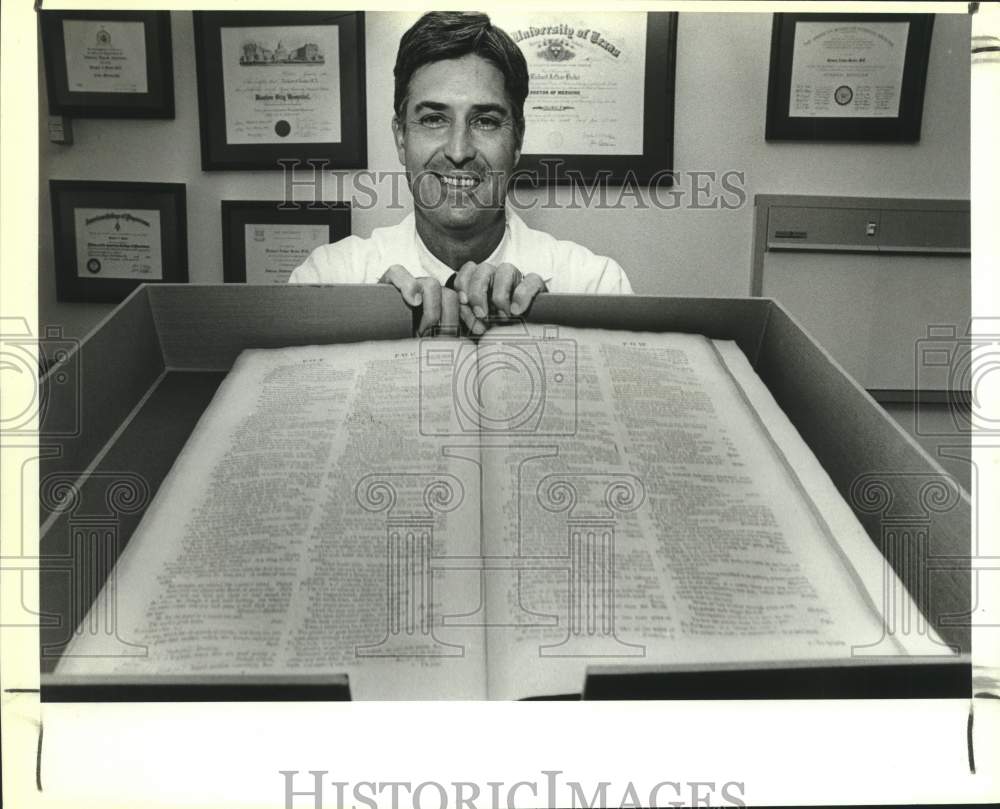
<point x="110" y="237"/>
<point x="262" y="242"/>
<point x="848" y="77"/>
<point x="281" y="86"/>
<point x="600" y="103"/>
<point x="108" y="64"/>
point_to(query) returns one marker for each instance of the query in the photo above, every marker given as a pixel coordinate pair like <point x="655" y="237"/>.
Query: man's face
<point x="458" y="142"/>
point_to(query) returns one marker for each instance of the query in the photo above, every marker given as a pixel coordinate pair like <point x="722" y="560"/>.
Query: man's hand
<point x="484" y="289"/>
<point x="438" y="306"/>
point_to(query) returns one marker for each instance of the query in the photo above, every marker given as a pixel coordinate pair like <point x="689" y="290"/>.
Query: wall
<point x="721" y="93"/>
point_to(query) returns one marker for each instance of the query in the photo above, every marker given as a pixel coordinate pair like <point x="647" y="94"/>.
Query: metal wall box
<point x="862" y="224"/>
<point x="870" y="278"/>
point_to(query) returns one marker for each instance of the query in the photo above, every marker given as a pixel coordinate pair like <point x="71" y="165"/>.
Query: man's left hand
<point x="484" y="289"/>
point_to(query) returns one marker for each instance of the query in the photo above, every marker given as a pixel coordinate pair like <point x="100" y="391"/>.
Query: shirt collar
<point x="434" y="267"/>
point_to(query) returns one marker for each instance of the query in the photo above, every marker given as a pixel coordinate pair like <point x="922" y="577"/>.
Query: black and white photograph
<point x="501" y="407"/>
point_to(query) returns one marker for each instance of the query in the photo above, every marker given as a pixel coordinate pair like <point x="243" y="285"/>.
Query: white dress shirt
<point x="564" y="266"/>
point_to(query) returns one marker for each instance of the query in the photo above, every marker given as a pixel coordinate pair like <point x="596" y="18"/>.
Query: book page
<point x="876" y="579"/>
<point x="651" y="517"/>
<point x="296" y="531"/>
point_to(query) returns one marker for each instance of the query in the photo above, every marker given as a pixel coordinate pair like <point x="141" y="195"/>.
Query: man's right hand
<point x="438" y="307"/>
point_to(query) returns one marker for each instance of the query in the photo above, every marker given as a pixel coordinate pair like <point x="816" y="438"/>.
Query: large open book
<point x="440" y="518"/>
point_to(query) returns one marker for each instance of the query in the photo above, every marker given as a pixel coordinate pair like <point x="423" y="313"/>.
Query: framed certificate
<point x="281" y="86"/>
<point x="110" y="237"/>
<point x="108" y="64"/>
<point x="848" y="77"/>
<point x="600" y="104"/>
<point x="262" y="242"/>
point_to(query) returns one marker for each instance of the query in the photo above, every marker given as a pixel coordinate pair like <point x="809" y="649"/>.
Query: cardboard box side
<point x="911" y="508"/>
<point x="205" y="327"/>
<point x="739" y="319"/>
<point x="82" y="543"/>
<point x="88" y="395"/>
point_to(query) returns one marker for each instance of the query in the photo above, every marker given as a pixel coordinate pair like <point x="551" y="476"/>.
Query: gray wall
<point x="721" y="92"/>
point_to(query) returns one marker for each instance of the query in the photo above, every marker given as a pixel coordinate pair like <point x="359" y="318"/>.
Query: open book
<point x="444" y="519"/>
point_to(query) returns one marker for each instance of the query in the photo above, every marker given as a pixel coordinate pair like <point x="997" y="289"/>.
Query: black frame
<point x="168" y="198"/>
<point x="156" y="102"/>
<point x="236" y="214"/>
<point x="904" y="128"/>
<point x="656" y="160"/>
<point x="216" y="154"/>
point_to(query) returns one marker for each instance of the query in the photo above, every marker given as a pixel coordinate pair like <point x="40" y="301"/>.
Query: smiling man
<point x="461" y="84"/>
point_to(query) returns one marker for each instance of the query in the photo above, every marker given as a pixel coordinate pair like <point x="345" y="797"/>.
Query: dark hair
<point x="440" y="35"/>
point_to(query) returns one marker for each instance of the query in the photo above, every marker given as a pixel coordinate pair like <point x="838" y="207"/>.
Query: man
<point x="459" y="99"/>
